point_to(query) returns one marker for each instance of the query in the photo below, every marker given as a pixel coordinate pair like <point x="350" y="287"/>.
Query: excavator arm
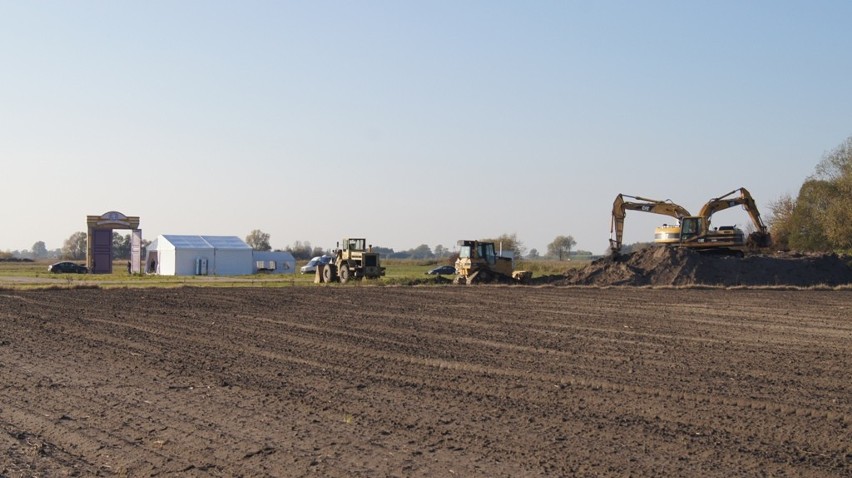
<point x="760" y="237"/>
<point x="620" y="207"/>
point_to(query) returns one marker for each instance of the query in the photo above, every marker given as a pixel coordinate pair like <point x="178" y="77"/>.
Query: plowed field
<point x="425" y="381"/>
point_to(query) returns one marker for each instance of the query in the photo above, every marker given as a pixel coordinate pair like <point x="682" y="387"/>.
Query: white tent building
<point x="199" y="255"/>
<point x="275" y="262"/>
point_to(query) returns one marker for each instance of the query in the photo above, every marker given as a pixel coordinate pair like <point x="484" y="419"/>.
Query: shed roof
<point x="206" y="242"/>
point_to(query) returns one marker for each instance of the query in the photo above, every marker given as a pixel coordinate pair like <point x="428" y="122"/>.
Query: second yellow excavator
<point x="696" y="233"/>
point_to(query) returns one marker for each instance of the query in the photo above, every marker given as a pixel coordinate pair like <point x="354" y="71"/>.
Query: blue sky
<point x="422" y="122"/>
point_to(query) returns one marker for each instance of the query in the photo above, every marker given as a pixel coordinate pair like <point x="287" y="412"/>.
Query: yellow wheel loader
<point x="353" y="260"/>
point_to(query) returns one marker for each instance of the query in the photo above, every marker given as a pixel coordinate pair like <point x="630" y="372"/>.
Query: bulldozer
<point x="479" y="262"/>
<point x="355" y="259"/>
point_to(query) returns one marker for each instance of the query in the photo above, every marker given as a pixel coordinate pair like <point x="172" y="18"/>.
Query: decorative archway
<point x="99" y="241"/>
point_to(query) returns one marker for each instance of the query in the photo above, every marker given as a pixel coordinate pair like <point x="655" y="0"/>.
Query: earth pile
<point x="666" y="266"/>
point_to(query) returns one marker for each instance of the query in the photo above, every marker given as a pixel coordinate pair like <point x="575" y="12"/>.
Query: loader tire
<point x="328" y="273"/>
<point x="343" y="272"/>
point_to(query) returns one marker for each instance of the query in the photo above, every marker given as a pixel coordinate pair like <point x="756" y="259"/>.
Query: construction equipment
<point x="696" y="233"/>
<point x="479" y="262"/>
<point x="620" y="208"/>
<point x="354" y="260"/>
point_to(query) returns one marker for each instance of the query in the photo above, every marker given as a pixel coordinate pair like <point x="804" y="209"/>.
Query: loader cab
<point x="354" y="244"/>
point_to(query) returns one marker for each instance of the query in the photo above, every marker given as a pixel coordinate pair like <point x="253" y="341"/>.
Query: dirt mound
<point x="671" y="266"/>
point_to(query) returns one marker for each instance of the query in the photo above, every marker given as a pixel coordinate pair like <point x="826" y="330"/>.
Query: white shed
<point x="199" y="255"/>
<point x="275" y="262"/>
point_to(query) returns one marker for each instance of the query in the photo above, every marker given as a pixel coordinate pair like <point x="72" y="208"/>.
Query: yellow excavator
<point x="635" y="203"/>
<point x="696" y="233"/>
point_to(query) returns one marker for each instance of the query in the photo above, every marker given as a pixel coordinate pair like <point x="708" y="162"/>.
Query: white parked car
<point x="311" y="266"/>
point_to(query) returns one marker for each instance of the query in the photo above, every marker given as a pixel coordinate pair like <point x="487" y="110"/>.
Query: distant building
<point x="212" y="255"/>
<point x="274" y="262"/>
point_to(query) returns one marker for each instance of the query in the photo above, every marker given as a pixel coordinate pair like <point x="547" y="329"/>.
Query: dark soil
<point x="488" y="381"/>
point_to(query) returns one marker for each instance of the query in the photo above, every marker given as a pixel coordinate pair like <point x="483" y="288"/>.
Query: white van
<point x="311" y="266"/>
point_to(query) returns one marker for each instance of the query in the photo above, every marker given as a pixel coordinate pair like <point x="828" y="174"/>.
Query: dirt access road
<point x="425" y="381"/>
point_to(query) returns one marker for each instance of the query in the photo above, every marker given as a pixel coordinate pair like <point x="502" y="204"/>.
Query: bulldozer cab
<point x="478" y="250"/>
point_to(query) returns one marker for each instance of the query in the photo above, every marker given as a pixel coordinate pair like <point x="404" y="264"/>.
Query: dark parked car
<point x="442" y="270"/>
<point x="67" y="268"/>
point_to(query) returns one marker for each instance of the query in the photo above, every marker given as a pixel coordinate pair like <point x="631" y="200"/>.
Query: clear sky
<point x="409" y="122"/>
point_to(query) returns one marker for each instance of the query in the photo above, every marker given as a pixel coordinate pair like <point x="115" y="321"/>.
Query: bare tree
<point x="561" y="247"/>
<point x="781" y="220"/>
<point x="75" y="246"/>
<point x="509" y="242"/>
<point x="258" y="240"/>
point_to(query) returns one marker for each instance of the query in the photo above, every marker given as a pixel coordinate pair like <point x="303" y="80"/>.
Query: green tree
<point x="384" y="251"/>
<point x="303" y="250"/>
<point x="39" y="250"/>
<point x="561" y="247"/>
<point x="74" y="247"/>
<point x="259" y="240"/>
<point x="120" y="246"/>
<point x="422" y="252"/>
<point x="780" y="220"/>
<point x="807" y="223"/>
<point x="820" y="217"/>
<point x="836" y="169"/>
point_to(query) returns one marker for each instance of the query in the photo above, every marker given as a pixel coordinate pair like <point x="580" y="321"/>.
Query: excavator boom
<point x="760" y="237"/>
<point x="620" y="207"/>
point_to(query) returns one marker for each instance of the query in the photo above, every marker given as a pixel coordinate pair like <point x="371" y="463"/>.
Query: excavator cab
<point x="690" y="227"/>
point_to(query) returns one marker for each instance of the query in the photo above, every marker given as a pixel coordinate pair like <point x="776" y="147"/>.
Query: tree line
<point x="74" y="248"/>
<point x="561" y="248"/>
<point x="819" y="218"/>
